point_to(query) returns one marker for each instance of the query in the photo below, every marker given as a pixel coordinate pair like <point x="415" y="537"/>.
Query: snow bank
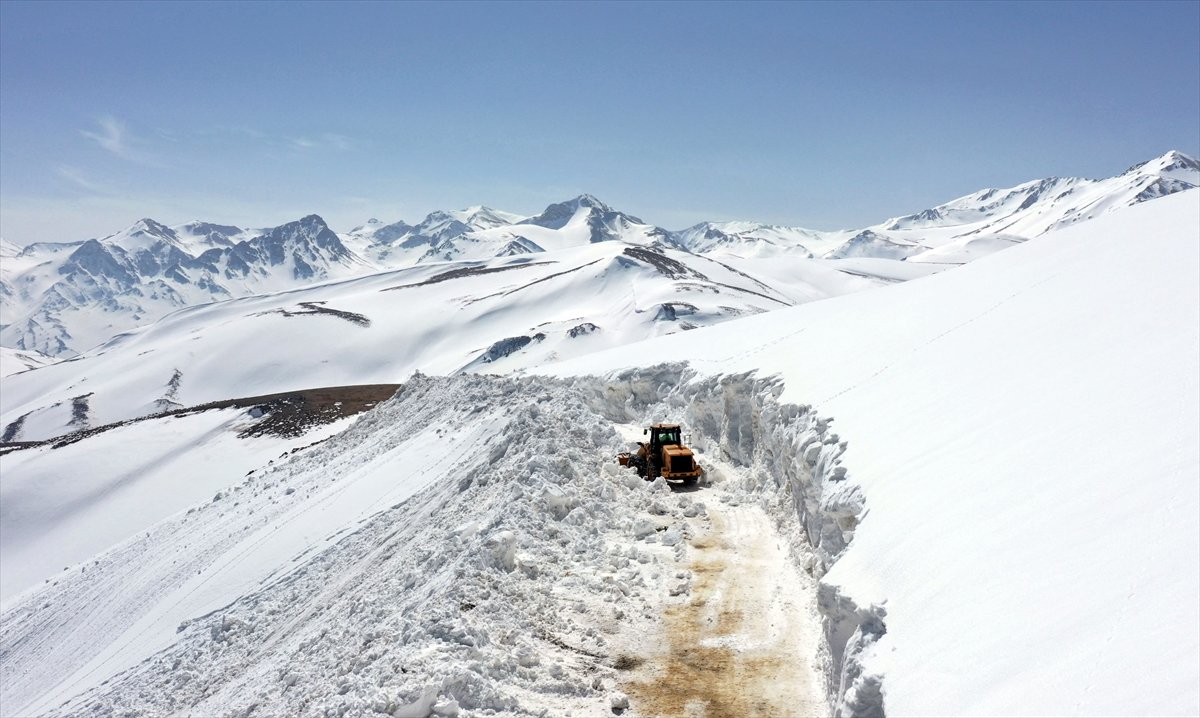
<point x="1024" y="433"/>
<point x="468" y="546"/>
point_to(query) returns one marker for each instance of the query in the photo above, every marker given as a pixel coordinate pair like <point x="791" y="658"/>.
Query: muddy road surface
<point x="743" y="641"/>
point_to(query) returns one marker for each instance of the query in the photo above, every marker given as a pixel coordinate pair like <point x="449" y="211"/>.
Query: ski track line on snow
<point x="758" y="349"/>
<point x="1118" y="620"/>
<point x="935" y="339"/>
<point x="213" y="572"/>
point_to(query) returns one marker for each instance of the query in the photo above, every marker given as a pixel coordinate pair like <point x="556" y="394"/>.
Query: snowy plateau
<point x="290" y="471"/>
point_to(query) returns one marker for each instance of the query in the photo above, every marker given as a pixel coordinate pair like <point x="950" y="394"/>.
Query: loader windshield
<point x="667" y="436"/>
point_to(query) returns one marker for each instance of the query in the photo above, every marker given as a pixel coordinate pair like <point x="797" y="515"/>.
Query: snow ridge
<point x="448" y="552"/>
<point x="68" y="297"/>
<point x="61" y="299"/>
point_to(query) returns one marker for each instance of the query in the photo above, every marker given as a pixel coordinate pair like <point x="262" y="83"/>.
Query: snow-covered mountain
<point x="496" y="295"/>
<point x="480" y="233"/>
<point x="398" y="244"/>
<point x="62" y="298"/>
<point x="750" y="238"/>
<point x="1019" y="475"/>
<point x="965" y="228"/>
<point x="502" y="315"/>
<point x="1036" y="207"/>
<point x="962" y="495"/>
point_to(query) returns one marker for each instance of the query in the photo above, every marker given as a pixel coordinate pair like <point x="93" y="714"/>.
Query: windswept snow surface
<point x="468" y="546"/>
<point x="1021" y="473"/>
<point x="13" y="361"/>
<point x="495" y="317"/>
<point x="62" y="505"/>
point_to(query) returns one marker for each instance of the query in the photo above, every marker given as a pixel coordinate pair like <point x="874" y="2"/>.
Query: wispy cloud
<point x="329" y="140"/>
<point x="76" y="177"/>
<point x="112" y="135"/>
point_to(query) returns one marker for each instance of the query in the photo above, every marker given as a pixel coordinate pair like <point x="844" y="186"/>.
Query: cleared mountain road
<point x="743" y="641"/>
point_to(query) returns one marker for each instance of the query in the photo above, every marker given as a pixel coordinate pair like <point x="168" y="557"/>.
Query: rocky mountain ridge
<point x="62" y="298"/>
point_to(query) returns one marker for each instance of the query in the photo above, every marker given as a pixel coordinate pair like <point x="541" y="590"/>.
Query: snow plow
<point x="663" y="455"/>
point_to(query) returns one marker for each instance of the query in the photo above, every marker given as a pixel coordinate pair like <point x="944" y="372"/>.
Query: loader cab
<point x="663" y="435"/>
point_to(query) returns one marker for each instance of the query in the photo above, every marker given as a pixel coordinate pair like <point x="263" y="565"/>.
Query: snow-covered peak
<point x="149" y="226"/>
<point x="199" y="237"/>
<point x="306" y="231"/>
<point x="375" y="231"/>
<point x="1174" y="165"/>
<point x="483" y="217"/>
<point x="441" y="224"/>
<point x="559" y="214"/>
<point x="8" y="249"/>
<point x="1033" y="208"/>
<point x="603" y="223"/>
<point x="145" y="234"/>
<point x="402" y="243"/>
<point x="587" y="200"/>
<point x="745" y="238"/>
<point x="871" y="244"/>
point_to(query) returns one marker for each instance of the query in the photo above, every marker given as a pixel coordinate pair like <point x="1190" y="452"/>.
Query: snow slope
<point x="1019" y="480"/>
<point x="500" y="316"/>
<point x="446" y="553"/>
<point x="60" y="505"/>
<point x="15" y="360"/>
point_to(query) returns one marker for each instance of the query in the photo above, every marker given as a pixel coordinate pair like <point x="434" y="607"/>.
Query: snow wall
<point x="789" y="459"/>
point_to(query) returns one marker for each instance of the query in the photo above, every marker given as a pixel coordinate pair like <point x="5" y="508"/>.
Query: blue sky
<point x="811" y="114"/>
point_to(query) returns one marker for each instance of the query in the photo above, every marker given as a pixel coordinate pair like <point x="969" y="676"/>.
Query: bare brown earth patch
<point x="288" y="413"/>
<point x="727" y="652"/>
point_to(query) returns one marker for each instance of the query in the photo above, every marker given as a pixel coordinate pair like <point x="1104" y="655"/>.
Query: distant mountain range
<point x="64" y="298"/>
